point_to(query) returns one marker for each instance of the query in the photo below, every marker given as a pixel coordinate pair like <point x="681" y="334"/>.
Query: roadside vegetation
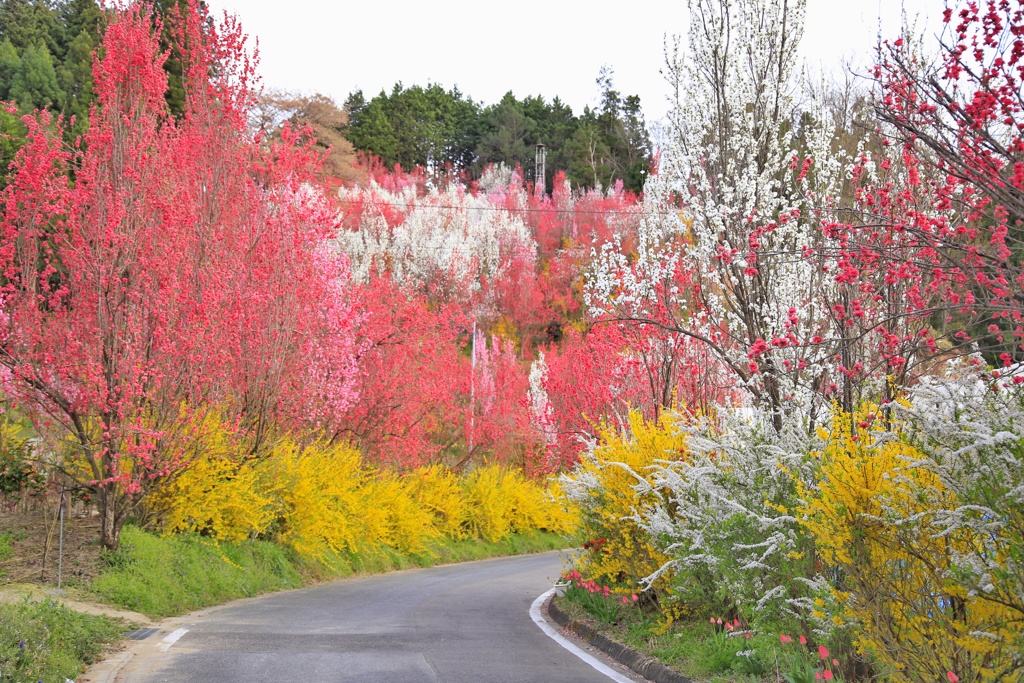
<point x="45" y="641"/>
<point x="773" y="370"/>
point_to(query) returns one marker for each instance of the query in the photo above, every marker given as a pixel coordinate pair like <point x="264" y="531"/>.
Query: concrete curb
<point x="648" y="667"/>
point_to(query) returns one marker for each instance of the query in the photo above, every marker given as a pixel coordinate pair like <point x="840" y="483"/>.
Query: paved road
<point x="466" y="623"/>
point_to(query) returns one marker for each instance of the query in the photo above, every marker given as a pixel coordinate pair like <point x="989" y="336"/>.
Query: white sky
<point x="488" y="48"/>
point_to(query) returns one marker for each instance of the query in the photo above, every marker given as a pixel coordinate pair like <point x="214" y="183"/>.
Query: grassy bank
<point x="45" y="641"/>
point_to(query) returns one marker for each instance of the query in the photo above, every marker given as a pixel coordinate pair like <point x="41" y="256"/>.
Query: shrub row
<point x="894" y="536"/>
<point x="323" y="500"/>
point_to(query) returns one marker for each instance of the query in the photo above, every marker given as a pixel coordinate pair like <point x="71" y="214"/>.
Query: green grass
<point x="6" y="547"/>
<point x="692" y="648"/>
<point x="45" y="641"/>
<point x="165" y="576"/>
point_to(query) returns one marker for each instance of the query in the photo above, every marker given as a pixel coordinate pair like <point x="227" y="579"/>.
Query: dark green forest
<point x="442" y="129"/>
<point x="46" y="49"/>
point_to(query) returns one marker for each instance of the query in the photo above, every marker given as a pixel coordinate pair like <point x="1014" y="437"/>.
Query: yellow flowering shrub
<point x="563" y="516"/>
<point x="616" y="550"/>
<point x="408" y="523"/>
<point x="217" y="496"/>
<point x="439" y="491"/>
<point x="324" y="506"/>
<point x="873" y="519"/>
<point x="503" y="501"/>
<point x="322" y="500"/>
<point x="221" y="494"/>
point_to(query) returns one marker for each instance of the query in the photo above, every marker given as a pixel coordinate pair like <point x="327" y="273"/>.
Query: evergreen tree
<point x="78" y="16"/>
<point x="590" y="162"/>
<point x="30" y="22"/>
<point x="415" y="126"/>
<point x="10" y="62"/>
<point x="508" y="131"/>
<point x="75" y="79"/>
<point x="35" y="83"/>
<point x="554" y="126"/>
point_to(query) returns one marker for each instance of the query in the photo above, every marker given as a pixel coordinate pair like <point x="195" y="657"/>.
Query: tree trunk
<point x="110" y="521"/>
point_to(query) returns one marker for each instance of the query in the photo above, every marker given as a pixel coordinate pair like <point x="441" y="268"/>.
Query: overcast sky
<point x="488" y="48"/>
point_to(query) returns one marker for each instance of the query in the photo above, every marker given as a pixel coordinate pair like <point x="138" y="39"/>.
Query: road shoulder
<point x="639" y="663"/>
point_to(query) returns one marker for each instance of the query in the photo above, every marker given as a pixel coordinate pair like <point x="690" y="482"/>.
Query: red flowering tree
<point x="413" y="379"/>
<point x="181" y="269"/>
<point x="934" y="261"/>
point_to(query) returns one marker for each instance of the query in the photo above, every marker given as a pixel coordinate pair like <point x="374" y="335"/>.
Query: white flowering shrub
<point x="971" y="435"/>
<point x="727" y="520"/>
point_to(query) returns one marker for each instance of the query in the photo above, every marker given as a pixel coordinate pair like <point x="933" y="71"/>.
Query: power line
<point x="407" y="205"/>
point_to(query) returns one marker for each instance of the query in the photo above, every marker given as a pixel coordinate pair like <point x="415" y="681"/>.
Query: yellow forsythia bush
<point x="408" y="524"/>
<point x="503" y="501"/>
<point x="222" y="494"/>
<point x="872" y="518"/>
<point x="438" y="491"/>
<point x="616" y="549"/>
<point x="322" y="500"/>
<point x="325" y="506"/>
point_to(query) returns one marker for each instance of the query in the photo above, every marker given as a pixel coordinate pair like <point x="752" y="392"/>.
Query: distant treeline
<point x="46" y="49"/>
<point x="441" y="129"/>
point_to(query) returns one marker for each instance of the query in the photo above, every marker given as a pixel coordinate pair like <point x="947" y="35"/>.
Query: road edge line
<point x="538" y="618"/>
<point x="171" y="638"/>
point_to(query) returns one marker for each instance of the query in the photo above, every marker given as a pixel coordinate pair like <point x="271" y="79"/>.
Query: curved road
<point x="465" y="623"/>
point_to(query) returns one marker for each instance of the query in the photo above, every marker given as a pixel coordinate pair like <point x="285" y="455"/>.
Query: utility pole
<point x="539" y="181"/>
<point x="472" y="389"/>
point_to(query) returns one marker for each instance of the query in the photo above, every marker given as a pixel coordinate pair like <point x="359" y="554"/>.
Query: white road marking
<point x="171" y="638"/>
<point x="539" y="619"/>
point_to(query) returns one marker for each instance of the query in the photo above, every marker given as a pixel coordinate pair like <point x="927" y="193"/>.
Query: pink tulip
<point x="953" y="678"/>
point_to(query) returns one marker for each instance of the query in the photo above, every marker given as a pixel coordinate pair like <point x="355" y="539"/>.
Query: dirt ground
<point x="36" y="540"/>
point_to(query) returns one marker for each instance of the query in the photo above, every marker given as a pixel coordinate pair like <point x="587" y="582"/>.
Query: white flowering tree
<point x="448" y="243"/>
<point x="728" y="250"/>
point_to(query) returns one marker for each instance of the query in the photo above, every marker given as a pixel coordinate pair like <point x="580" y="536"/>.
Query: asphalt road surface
<point x="465" y="623"/>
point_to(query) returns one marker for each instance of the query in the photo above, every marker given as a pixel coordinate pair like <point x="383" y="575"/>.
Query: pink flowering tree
<point x="134" y="298"/>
